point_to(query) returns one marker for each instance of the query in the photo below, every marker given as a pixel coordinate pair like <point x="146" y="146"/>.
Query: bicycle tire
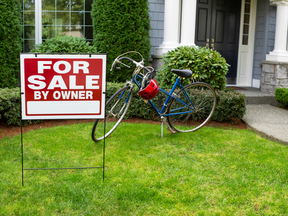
<point x="204" y="100"/>
<point x="116" y="108"/>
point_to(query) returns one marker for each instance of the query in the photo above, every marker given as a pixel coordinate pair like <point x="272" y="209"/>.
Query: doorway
<point x="217" y="27"/>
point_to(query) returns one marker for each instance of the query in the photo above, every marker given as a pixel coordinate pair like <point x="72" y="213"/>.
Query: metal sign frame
<point x="22" y="94"/>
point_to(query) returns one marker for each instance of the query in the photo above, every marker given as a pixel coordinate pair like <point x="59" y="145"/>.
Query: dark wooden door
<point x="217" y="27"/>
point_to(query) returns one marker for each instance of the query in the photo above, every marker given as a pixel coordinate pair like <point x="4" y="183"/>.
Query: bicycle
<point x="185" y="111"/>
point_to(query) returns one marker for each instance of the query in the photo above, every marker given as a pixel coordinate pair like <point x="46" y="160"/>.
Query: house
<point x="250" y="34"/>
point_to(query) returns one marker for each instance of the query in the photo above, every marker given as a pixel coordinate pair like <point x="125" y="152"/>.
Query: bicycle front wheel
<point x="201" y="99"/>
<point x="116" y="108"/>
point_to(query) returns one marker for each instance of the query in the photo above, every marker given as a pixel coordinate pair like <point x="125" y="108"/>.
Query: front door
<point x="217" y="27"/>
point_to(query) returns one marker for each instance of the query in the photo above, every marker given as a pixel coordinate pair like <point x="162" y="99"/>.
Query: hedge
<point x="231" y="105"/>
<point x="121" y="26"/>
<point x="10" y="107"/>
<point x="10" y="42"/>
<point x="64" y="44"/>
<point x="281" y="95"/>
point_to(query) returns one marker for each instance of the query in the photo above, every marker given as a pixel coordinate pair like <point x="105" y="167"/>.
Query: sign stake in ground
<point x="62" y="87"/>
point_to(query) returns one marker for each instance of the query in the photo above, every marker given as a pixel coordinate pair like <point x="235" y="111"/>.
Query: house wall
<point x="265" y="34"/>
<point x="156" y="11"/>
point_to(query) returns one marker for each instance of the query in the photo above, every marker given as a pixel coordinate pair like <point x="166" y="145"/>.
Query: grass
<point x="209" y="172"/>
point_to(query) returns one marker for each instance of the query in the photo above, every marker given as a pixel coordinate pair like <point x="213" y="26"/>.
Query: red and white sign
<point x="63" y="86"/>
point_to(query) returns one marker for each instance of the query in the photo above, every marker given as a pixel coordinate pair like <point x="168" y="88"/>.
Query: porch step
<point x="255" y="96"/>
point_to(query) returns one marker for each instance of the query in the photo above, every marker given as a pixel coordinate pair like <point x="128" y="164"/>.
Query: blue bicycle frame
<point x="160" y="113"/>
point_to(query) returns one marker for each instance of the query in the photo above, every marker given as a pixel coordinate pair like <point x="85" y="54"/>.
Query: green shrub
<point x="281" y="95"/>
<point x="10" y="107"/>
<point x="64" y="44"/>
<point x="10" y="42"/>
<point x="231" y="105"/>
<point x="121" y="26"/>
<point x="207" y="66"/>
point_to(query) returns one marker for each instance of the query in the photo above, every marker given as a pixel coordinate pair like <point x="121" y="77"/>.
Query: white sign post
<point x="63" y="86"/>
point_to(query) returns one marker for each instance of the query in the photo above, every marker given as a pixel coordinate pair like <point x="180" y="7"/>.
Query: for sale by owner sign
<point x="63" y="86"/>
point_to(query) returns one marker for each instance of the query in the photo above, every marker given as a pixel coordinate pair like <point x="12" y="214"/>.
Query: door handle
<point x="207" y="45"/>
<point x="212" y="45"/>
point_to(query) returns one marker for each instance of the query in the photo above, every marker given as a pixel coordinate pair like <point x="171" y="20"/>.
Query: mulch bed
<point x="8" y="131"/>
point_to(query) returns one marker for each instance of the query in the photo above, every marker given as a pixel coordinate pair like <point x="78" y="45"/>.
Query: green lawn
<point x="209" y="172"/>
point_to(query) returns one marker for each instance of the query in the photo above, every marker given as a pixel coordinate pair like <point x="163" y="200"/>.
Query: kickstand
<point x="162" y="124"/>
<point x="164" y="121"/>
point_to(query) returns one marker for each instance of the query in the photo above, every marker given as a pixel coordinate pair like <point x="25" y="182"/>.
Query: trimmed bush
<point x="121" y="26"/>
<point x="10" y="107"/>
<point x="231" y="105"/>
<point x="64" y="44"/>
<point x="207" y="66"/>
<point x="281" y="95"/>
<point x="10" y="42"/>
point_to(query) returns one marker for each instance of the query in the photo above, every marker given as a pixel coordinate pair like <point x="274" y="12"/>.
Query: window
<point x="28" y="12"/>
<point x="59" y="18"/>
<point x="246" y="22"/>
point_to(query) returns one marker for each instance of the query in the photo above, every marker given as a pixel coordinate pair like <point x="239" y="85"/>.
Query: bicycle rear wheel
<point x="202" y="100"/>
<point x="116" y="108"/>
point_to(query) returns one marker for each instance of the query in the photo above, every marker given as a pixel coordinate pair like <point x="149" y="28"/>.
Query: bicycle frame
<point x="170" y="95"/>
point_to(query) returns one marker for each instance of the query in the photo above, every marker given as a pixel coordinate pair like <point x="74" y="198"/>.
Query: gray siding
<point x="271" y="29"/>
<point x="156" y="11"/>
<point x="264" y="35"/>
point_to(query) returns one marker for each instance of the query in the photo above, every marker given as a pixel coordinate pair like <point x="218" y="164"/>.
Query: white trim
<point x="246" y="52"/>
<point x="171" y="27"/>
<point x="38" y="22"/>
<point x="256" y="83"/>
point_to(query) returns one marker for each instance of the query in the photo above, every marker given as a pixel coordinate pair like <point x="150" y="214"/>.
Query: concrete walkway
<point x="269" y="121"/>
<point x="264" y="116"/>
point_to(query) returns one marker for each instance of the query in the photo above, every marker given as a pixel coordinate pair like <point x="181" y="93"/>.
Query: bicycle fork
<point x="122" y="108"/>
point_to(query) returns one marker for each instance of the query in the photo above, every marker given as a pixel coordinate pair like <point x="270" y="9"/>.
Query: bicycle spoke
<point x="202" y="97"/>
<point x="116" y="108"/>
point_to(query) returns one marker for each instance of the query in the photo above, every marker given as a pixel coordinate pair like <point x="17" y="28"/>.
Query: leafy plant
<point x="64" y="44"/>
<point x="281" y="95"/>
<point x="231" y="105"/>
<point x="10" y="107"/>
<point x="207" y="66"/>
<point x="121" y="26"/>
<point x="10" y="42"/>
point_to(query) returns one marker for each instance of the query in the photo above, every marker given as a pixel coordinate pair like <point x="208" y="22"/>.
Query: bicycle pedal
<point x="171" y="131"/>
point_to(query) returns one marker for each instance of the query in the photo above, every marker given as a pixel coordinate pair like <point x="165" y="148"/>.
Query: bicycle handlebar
<point x="138" y="64"/>
<point x="127" y="58"/>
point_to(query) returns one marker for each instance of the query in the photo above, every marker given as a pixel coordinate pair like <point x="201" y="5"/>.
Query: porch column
<point x="188" y="22"/>
<point x="171" y="27"/>
<point x="280" y="53"/>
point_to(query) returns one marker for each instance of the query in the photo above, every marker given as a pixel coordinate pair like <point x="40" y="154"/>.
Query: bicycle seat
<point x="183" y="73"/>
